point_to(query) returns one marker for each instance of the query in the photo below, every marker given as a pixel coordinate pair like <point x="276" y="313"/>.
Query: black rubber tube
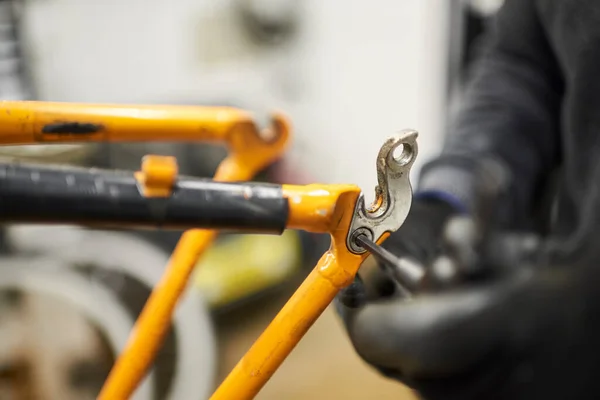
<point x="68" y="195"/>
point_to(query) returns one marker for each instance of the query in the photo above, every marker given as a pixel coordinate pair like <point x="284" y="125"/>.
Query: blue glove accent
<point x="446" y="197"/>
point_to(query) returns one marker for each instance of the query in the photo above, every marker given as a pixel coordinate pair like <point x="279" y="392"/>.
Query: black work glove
<point x="419" y="239"/>
<point x="532" y="331"/>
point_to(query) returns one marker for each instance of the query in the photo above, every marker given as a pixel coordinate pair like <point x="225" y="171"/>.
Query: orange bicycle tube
<point x="340" y="209"/>
<point x="316" y="208"/>
<point x="335" y="270"/>
<point x="248" y="157"/>
<point x="335" y="209"/>
<point x="47" y="122"/>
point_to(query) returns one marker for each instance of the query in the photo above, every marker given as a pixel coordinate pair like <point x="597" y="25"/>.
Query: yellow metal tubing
<point x="314" y="208"/>
<point x="33" y="122"/>
<point x="335" y="270"/>
<point x="151" y="326"/>
<point x="282" y="335"/>
<point x="311" y="207"/>
<point x="247" y="159"/>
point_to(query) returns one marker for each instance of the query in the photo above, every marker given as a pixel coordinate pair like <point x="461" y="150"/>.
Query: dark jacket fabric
<point x="532" y="104"/>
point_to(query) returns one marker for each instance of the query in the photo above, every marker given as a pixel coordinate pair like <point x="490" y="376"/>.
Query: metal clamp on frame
<point x="393" y="194"/>
<point x="157" y="176"/>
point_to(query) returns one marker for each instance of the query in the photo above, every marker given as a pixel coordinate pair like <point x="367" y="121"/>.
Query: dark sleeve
<point x="510" y="114"/>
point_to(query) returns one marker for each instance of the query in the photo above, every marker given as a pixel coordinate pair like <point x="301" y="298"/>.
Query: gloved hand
<point x="419" y="239"/>
<point x="529" y="332"/>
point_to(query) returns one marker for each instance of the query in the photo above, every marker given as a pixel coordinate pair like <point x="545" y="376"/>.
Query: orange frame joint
<point x="123" y="199"/>
<point x="338" y="210"/>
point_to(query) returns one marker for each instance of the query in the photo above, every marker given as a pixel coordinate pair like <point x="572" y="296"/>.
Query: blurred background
<point x="348" y="74"/>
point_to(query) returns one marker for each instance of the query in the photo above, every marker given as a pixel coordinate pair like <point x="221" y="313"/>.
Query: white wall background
<point x="356" y="71"/>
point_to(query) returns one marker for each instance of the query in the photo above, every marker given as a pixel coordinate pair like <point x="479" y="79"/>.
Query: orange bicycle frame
<point x="315" y="208"/>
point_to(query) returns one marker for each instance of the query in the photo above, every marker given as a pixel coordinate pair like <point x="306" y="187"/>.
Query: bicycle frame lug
<point x="156" y="196"/>
<point x="393" y="194"/>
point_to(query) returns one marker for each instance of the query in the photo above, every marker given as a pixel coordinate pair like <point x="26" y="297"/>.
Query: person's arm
<point x="469" y="342"/>
<point x="510" y="113"/>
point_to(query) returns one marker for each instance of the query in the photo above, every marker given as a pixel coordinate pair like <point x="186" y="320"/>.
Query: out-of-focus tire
<point x="101" y="308"/>
<point x="112" y="273"/>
